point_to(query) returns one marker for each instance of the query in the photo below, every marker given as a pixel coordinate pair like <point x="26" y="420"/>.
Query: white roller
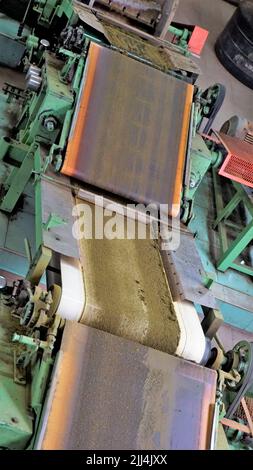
<point x="192" y="343"/>
<point x="73" y="295"/>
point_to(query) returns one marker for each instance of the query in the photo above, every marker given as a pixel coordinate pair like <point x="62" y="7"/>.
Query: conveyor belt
<point x="126" y="288"/>
<point x="125" y="396"/>
<point x="130" y="130"/>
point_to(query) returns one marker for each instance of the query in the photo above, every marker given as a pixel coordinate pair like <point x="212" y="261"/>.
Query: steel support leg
<point x="236" y="248"/>
<point x="230" y="252"/>
<point x="17" y="182"/>
<point x="229" y="208"/>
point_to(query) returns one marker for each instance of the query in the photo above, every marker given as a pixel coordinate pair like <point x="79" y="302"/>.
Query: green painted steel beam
<point x="17" y="182"/>
<point x="38" y="202"/>
<point x="231" y="251"/>
<point x="235" y="249"/>
<point x="243" y="268"/>
<point x="229" y="208"/>
<point x="48" y="10"/>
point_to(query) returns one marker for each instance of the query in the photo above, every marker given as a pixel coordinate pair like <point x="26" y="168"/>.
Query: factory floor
<point x="214" y="15"/>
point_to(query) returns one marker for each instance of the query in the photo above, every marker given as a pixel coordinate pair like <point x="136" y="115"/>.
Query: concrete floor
<point x="214" y="15"/>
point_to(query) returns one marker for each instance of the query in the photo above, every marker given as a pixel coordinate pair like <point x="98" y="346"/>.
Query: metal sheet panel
<point x="185" y="273"/>
<point x="11" y="51"/>
<point x="131" y="128"/>
<point x="111" y="393"/>
<point x="57" y="200"/>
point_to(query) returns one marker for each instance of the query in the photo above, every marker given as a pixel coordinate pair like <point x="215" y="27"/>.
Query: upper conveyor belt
<point x="130" y="130"/>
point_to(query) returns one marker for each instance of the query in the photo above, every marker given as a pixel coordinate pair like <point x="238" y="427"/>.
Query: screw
<point x="50" y="124"/>
<point x="57" y="162"/>
<point x="192" y="183"/>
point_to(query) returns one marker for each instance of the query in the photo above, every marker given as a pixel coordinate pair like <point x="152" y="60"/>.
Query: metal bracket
<point x="53" y="220"/>
<point x="212" y="322"/>
<point x="39" y="265"/>
<point x="208" y="279"/>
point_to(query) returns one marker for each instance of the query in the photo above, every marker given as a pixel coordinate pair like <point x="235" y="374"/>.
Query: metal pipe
<point x="181" y="33"/>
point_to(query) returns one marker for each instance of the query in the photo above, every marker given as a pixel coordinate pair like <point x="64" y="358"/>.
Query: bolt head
<point x="45" y="43"/>
<point x="50" y="126"/>
<point x="192" y="183"/>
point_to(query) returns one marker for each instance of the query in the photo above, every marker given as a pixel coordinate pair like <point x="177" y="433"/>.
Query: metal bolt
<point x="192" y="183"/>
<point x="45" y="43"/>
<point x="57" y="162"/>
<point x="50" y="124"/>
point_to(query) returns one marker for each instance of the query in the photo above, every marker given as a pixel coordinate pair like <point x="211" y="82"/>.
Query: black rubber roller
<point x="234" y="47"/>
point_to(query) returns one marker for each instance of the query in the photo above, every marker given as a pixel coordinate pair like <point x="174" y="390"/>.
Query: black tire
<point x="234" y="47"/>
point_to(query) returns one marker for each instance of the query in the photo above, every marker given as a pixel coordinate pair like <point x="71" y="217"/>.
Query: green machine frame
<point x="49" y="9"/>
<point x="43" y="129"/>
<point x="230" y="251"/>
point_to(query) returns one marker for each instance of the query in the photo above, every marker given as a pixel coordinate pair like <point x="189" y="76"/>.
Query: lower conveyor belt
<point x="125" y="396"/>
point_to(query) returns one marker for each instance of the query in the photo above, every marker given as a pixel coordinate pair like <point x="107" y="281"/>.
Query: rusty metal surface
<point x="134" y="132"/>
<point x="154" y="16"/>
<point x="111" y="393"/>
<point x="136" y="41"/>
<point x="160" y="55"/>
<point x="139" y="47"/>
<point x="142" y="11"/>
